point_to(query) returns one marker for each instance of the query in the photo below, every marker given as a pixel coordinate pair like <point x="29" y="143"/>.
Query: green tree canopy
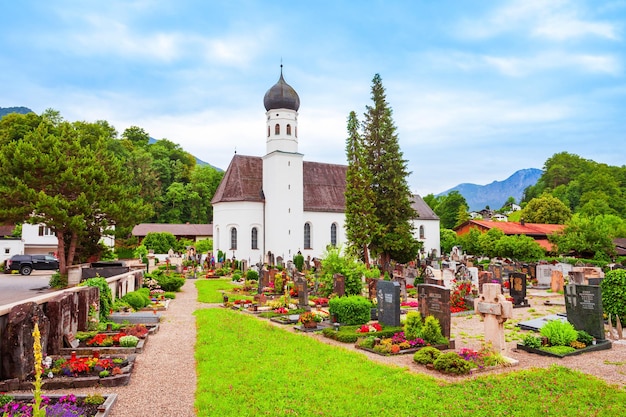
<point x="65" y="176"/>
<point x="546" y="209"/>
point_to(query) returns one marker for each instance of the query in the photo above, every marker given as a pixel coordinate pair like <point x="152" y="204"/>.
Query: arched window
<point x="277" y="129"/>
<point x="233" y="238"/>
<point x="333" y="234"/>
<point x="268" y="131"/>
<point x="307" y="235"/>
<point x="289" y="130"/>
<point x="421" y="232"/>
<point x="254" y="238"/>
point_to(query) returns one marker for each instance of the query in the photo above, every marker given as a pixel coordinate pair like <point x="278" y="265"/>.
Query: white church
<point x="278" y="205"/>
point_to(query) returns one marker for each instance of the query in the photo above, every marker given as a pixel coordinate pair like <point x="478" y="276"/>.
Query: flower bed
<point x="61" y="405"/>
<point x="107" y="343"/>
<point x="65" y="373"/>
<point x="396" y="345"/>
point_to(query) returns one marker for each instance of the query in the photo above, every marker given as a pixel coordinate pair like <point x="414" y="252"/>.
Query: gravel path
<point x="163" y="381"/>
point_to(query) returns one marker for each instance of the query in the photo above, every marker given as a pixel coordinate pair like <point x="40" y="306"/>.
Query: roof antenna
<point x="235" y="150"/>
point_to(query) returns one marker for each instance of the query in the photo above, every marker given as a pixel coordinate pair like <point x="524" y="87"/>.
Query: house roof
<point x="515" y="228"/>
<point x="324" y="184"/>
<point x="423" y="210"/>
<point x="176" y="229"/>
<point x="6" y="230"/>
<point x="620" y="246"/>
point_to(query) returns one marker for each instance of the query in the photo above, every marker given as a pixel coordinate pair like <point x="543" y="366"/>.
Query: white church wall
<point x="321" y="224"/>
<point x="432" y="237"/>
<point x="243" y="215"/>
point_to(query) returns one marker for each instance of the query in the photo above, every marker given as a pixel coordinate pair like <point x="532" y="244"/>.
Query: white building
<point x="278" y="205"/>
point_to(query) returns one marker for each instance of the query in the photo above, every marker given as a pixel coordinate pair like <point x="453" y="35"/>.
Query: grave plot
<point x="127" y="340"/>
<point x="581" y="331"/>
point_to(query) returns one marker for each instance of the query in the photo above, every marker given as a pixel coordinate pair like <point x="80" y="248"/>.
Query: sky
<point x="478" y="89"/>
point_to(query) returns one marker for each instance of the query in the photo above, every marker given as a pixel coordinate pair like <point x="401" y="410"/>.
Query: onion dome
<point x="281" y="96"/>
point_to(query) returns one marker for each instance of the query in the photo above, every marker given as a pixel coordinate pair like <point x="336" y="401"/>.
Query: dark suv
<point x="26" y="263"/>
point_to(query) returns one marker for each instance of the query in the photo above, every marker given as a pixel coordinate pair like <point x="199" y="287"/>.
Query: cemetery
<point x="468" y="324"/>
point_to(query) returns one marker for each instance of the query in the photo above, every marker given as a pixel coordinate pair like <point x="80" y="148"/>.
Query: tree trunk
<point x="61" y="253"/>
<point x="366" y="256"/>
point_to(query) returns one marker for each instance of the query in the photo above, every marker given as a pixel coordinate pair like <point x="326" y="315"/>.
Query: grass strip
<point x="248" y="367"/>
<point x="210" y="290"/>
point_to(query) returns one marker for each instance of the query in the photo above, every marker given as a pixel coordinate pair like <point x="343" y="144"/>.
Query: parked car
<point x="26" y="263"/>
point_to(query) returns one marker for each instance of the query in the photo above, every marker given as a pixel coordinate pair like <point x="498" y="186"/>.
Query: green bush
<point x="413" y="325"/>
<point x="452" y="363"/>
<point x="252" y="275"/>
<point x="169" y="282"/>
<point x="58" y="281"/>
<point x="136" y="300"/>
<point x="366" y="342"/>
<point x="348" y="334"/>
<point x="334" y="263"/>
<point x="431" y="331"/>
<point x="584" y="337"/>
<point x="559" y="333"/>
<point x="169" y="295"/>
<point x="120" y="305"/>
<point x="426" y="355"/>
<point x="298" y="261"/>
<point x="614" y="294"/>
<point x="236" y="275"/>
<point x="532" y="341"/>
<point x="354" y="309"/>
<point x="129" y="341"/>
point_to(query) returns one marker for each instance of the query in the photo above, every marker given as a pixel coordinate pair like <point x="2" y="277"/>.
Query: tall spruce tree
<point x="392" y="196"/>
<point x="361" y="221"/>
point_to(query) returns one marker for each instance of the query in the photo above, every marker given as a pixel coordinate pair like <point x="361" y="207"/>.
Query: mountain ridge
<point x="496" y="193"/>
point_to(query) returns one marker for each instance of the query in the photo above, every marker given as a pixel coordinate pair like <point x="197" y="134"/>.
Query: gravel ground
<point x="164" y="378"/>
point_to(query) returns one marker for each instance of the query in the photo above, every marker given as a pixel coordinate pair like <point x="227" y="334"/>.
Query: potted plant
<point x="309" y="320"/>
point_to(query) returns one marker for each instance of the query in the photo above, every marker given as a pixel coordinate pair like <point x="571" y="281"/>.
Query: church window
<point x="268" y="131"/>
<point x="277" y="129"/>
<point x="296" y="131"/>
<point x="289" y="130"/>
<point x="233" y="238"/>
<point x="255" y="238"/>
<point x="307" y="235"/>
<point x="333" y="234"/>
<point x="421" y="232"/>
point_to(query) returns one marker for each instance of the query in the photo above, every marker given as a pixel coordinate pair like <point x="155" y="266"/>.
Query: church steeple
<point x="282" y="103"/>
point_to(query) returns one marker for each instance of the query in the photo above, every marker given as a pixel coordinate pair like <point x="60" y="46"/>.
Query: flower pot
<point x="309" y="325"/>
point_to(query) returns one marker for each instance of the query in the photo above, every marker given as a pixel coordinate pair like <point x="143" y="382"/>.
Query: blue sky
<point x="479" y="89"/>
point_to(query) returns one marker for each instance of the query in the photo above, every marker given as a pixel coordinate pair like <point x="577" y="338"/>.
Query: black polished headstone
<point x="434" y="300"/>
<point x="388" y="297"/>
<point x="517" y="289"/>
<point x="583" y="304"/>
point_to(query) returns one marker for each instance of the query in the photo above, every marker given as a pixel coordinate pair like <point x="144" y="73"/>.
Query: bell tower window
<point x="277" y="129"/>
<point x="289" y="130"/>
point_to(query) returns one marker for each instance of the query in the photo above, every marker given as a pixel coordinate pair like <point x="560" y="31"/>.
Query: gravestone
<point x="303" y="292"/>
<point x="484" y="277"/>
<point x="495" y="310"/>
<point x="264" y="280"/>
<point x="496" y="271"/>
<point x="576" y="277"/>
<point x="544" y="275"/>
<point x="371" y="287"/>
<point x="473" y="271"/>
<point x="434" y="300"/>
<point x="517" y="289"/>
<point x="410" y="274"/>
<point x="62" y="312"/>
<point x="388" y="298"/>
<point x="583" y="304"/>
<point x="339" y="285"/>
<point x="400" y="280"/>
<point x="556" y="281"/>
<point x="532" y="271"/>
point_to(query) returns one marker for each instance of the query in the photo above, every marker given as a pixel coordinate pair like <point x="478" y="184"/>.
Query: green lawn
<point x="247" y="367"/>
<point x="209" y="290"/>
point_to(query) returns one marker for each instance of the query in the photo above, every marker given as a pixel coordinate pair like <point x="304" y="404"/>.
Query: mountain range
<point x="477" y="197"/>
<point x="495" y="194"/>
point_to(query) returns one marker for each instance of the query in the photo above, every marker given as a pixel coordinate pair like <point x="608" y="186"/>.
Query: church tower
<point x="282" y="173"/>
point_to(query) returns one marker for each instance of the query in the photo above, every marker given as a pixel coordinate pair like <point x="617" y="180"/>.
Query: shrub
<point x="426" y="355"/>
<point x="136" y="300"/>
<point x="169" y="295"/>
<point x="354" y="309"/>
<point x="95" y="399"/>
<point x="129" y="341"/>
<point x="452" y="363"/>
<point x="58" y="281"/>
<point x="584" y="337"/>
<point x="252" y="275"/>
<point x="120" y="305"/>
<point x="413" y="325"/>
<point x="614" y="294"/>
<point x="236" y="275"/>
<point x="532" y="341"/>
<point x="366" y="342"/>
<point x="559" y="333"/>
<point x="298" y="261"/>
<point x="171" y="282"/>
<point x="431" y="331"/>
